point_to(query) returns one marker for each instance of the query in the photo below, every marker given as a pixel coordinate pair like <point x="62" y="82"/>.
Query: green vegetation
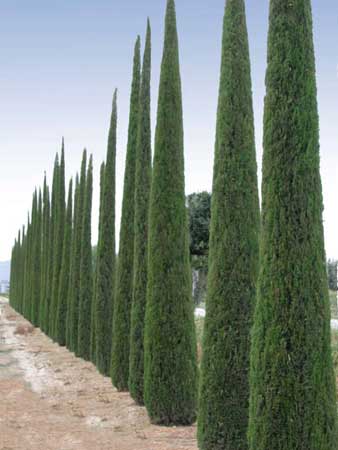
<point x="142" y="193"/>
<point x="75" y="287"/>
<point x="170" y="381"/>
<point x="293" y="393"/>
<point x="224" y="386"/>
<point x="124" y="280"/>
<point x="60" y="326"/>
<point x="86" y="270"/>
<point x="105" y="278"/>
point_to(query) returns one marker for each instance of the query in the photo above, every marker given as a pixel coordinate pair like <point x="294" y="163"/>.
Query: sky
<point x="61" y="61"/>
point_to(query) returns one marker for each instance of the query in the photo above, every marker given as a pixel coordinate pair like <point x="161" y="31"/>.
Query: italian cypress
<point x="142" y="192"/>
<point x="60" y="211"/>
<point x="36" y="261"/>
<point x="76" y="268"/>
<point x="52" y="230"/>
<point x="86" y="271"/>
<point x="70" y="311"/>
<point x="32" y="253"/>
<point x="124" y="280"/>
<point x="27" y="277"/>
<point x="293" y="394"/>
<point x="61" y="315"/>
<point x="93" y="314"/>
<point x="170" y="380"/>
<point x="44" y="257"/>
<point x="105" y="281"/>
<point x="233" y="250"/>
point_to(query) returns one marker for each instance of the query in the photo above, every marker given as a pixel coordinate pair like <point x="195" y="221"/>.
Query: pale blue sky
<point x="62" y="59"/>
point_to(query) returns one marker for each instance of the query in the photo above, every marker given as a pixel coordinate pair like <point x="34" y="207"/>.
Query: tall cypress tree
<point x="293" y="395"/>
<point x="44" y="256"/>
<point x="142" y="192"/>
<point x="36" y="261"/>
<point x="61" y="315"/>
<point x="233" y="250"/>
<point x="124" y="280"/>
<point x="32" y="254"/>
<point x="60" y="211"/>
<point x="86" y="270"/>
<point x="93" y="313"/>
<point x="105" y="282"/>
<point x="70" y="311"/>
<point x="76" y="269"/>
<point x="27" y="277"/>
<point x="170" y="382"/>
<point x="52" y="230"/>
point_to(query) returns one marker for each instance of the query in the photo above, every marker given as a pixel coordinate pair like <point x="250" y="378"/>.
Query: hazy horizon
<point x="62" y="61"/>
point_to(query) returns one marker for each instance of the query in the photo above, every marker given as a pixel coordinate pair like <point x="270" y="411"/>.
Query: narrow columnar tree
<point x="76" y="268"/>
<point x="93" y="313"/>
<point x="293" y="395"/>
<point x="170" y="383"/>
<point x="52" y="230"/>
<point x="44" y="255"/>
<point x="60" y="211"/>
<point x="27" y="275"/>
<point x="36" y="262"/>
<point x="32" y="254"/>
<point x="105" y="281"/>
<point x="142" y="192"/>
<point x="61" y="315"/>
<point x="233" y="250"/>
<point x="70" y="311"/>
<point x="86" y="270"/>
<point x="124" y="280"/>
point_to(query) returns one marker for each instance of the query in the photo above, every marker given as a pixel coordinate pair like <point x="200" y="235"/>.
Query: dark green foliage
<point x="60" y="212"/>
<point x="142" y="192"/>
<point x="293" y="395"/>
<point x="52" y="230"/>
<point x="95" y="270"/>
<point x="76" y="259"/>
<point x="73" y="260"/>
<point x="36" y="261"/>
<point x="60" y="326"/>
<point x="105" y="277"/>
<point x="44" y="256"/>
<point x="234" y="251"/>
<point x="124" y="281"/>
<point x="199" y="206"/>
<point x="86" y="271"/>
<point x="170" y="382"/>
<point x="27" y="274"/>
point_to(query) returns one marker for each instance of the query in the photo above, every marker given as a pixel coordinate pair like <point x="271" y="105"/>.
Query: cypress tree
<point x="124" y="281"/>
<point x="105" y="282"/>
<point x="142" y="192"/>
<point x="60" y="211"/>
<point x="25" y="299"/>
<point x="36" y="261"/>
<point x="60" y="327"/>
<point x="93" y="314"/>
<point x="86" y="271"/>
<point x="170" y="380"/>
<point x="76" y="268"/>
<point x="233" y="250"/>
<point x="31" y="262"/>
<point x="293" y="395"/>
<point x="70" y="311"/>
<point x="44" y="257"/>
<point x="52" y="230"/>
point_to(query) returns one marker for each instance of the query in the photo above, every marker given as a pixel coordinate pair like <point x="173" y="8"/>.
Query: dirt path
<point x="51" y="400"/>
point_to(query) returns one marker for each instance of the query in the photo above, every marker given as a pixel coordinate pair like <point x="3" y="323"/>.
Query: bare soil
<point x="51" y="400"/>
